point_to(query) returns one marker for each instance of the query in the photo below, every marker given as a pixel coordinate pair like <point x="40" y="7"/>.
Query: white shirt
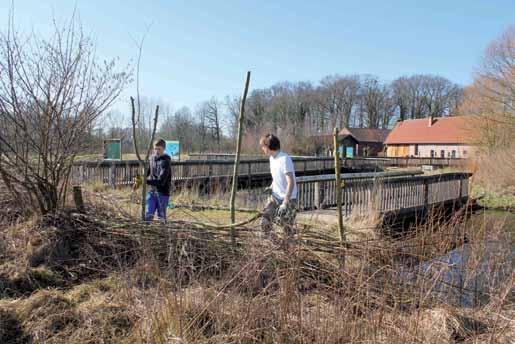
<point x="279" y="166"/>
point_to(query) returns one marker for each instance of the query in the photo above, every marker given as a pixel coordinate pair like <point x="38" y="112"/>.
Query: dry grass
<point x="104" y="278"/>
<point x="89" y="313"/>
<point x="494" y="170"/>
<point x="493" y="178"/>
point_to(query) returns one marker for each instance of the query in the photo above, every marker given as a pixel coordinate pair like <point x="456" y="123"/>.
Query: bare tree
<point x="297" y="110"/>
<point x="304" y="105"/>
<point x="377" y="105"/>
<point x="401" y="96"/>
<point x="213" y="119"/>
<point x="420" y="96"/>
<point x="490" y="99"/>
<point x="439" y="94"/>
<point x="52" y="91"/>
<point x="232" y="109"/>
<point x="496" y="75"/>
<point x="338" y="95"/>
<point x="202" y="127"/>
<point x="180" y="126"/>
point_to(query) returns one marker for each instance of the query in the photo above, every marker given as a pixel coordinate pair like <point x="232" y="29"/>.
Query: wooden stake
<point x="237" y="157"/>
<point x="77" y="197"/>
<point x="143" y="163"/>
<point x="338" y="185"/>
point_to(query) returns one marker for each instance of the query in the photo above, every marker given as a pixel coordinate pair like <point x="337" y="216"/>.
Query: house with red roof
<point x="440" y="137"/>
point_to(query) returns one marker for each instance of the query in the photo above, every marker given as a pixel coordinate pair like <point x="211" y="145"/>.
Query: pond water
<point x="469" y="274"/>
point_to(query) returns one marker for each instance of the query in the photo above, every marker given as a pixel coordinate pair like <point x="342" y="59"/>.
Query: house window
<point x="432" y="153"/>
<point x="416" y="150"/>
<point x="464" y="153"/>
<point x="453" y="154"/>
<point x="442" y="154"/>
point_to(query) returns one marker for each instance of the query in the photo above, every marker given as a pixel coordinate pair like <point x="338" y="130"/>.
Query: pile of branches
<point x="93" y="245"/>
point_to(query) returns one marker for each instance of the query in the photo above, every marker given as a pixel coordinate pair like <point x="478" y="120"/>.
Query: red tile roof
<point x="443" y="130"/>
<point x="365" y="134"/>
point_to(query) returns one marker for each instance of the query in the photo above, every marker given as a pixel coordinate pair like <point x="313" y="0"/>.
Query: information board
<point x="173" y="149"/>
<point x="113" y="149"/>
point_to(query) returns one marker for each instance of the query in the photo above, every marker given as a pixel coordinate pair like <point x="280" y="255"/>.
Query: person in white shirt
<point x="282" y="204"/>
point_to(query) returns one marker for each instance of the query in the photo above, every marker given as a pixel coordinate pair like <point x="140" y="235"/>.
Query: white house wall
<point x="424" y="151"/>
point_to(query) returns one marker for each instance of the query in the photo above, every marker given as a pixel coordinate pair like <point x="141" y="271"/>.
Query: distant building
<point x="441" y="137"/>
<point x="361" y="142"/>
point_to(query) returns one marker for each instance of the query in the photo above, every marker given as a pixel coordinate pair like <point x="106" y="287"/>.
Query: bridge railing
<point x="117" y="173"/>
<point x="220" y="156"/>
<point x="361" y="194"/>
<point x="230" y="156"/>
<point x="404" y="162"/>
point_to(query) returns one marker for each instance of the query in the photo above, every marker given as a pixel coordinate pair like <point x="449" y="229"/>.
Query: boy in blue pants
<point x="159" y="179"/>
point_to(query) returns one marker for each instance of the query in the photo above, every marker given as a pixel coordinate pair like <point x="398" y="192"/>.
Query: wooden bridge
<point x="251" y="172"/>
<point x="383" y="192"/>
<point x="392" y="199"/>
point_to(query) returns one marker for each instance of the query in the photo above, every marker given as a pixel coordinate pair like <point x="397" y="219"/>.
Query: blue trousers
<point x="156" y="202"/>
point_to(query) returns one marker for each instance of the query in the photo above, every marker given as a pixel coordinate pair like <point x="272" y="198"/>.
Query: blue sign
<point x="349" y="153"/>
<point x="173" y="149"/>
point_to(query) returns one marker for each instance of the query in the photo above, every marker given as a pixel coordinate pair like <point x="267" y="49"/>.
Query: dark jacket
<point x="159" y="174"/>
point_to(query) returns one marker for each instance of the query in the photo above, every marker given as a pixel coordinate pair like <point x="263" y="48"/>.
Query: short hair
<point x="271" y="141"/>
<point x="160" y="143"/>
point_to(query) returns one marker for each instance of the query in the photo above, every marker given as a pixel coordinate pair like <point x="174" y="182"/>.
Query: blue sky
<point x="199" y="49"/>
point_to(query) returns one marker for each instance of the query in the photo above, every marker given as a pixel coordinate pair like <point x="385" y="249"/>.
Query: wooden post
<point x="209" y="175"/>
<point x="426" y="194"/>
<point x="460" y="192"/>
<point x="338" y="185"/>
<point x="83" y="174"/>
<point x="237" y="157"/>
<point x="317" y="198"/>
<point x="77" y="197"/>
<point x="112" y="175"/>
<point x="249" y="175"/>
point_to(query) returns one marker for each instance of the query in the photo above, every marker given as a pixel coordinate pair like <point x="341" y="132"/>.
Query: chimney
<point x="430" y="120"/>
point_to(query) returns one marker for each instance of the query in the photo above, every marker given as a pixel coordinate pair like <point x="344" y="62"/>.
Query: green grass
<point x="493" y="200"/>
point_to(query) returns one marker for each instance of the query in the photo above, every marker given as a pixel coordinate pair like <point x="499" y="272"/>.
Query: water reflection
<point x="468" y="275"/>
